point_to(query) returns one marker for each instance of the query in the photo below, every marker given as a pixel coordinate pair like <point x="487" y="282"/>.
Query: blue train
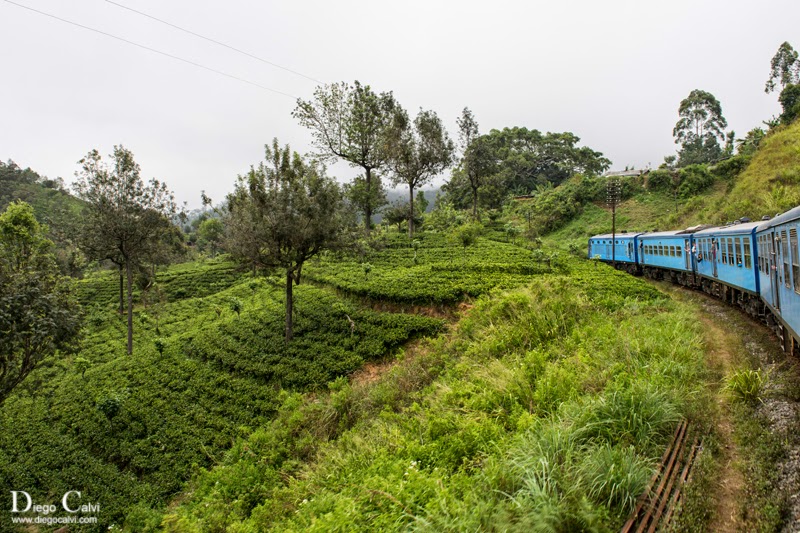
<point x="754" y="265"/>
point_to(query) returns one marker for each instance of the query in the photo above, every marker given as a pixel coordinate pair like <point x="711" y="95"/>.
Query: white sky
<point x="612" y="72"/>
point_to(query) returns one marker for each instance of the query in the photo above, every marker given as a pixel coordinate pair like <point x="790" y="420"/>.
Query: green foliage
<point x="53" y="207"/>
<point x="546" y="409"/>
<point x="366" y="197"/>
<point x="284" y="212"/>
<point x="790" y="101"/>
<point x="784" y="68"/>
<point x="210" y="234"/>
<point x="125" y="220"/>
<point x="699" y="128"/>
<point x="552" y="207"/>
<point x="418" y="151"/>
<point x="467" y="234"/>
<point x="512" y="231"/>
<point x="235" y="305"/>
<point x="730" y="168"/>
<point x="660" y="180"/>
<point x="768" y="184"/>
<point x="351" y="122"/>
<point x="749" y="145"/>
<point x="110" y="405"/>
<point x="694" y="179"/>
<point x="39" y="315"/>
<point x="444" y="273"/>
<point x="444" y="216"/>
<point x="746" y="385"/>
<point x="214" y="382"/>
<point x="160" y="344"/>
<point x="81" y="365"/>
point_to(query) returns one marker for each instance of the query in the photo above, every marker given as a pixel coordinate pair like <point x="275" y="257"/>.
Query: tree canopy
<point x="477" y="162"/>
<point x="419" y="150"/>
<point x="282" y="213"/>
<point x="700" y="128"/>
<point x="784" y="68"/>
<point x="518" y="160"/>
<point x="351" y="122"/>
<point x="125" y="220"/>
<point x="39" y="315"/>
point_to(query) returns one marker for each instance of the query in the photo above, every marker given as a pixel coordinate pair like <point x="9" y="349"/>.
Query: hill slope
<point x="769" y="184"/>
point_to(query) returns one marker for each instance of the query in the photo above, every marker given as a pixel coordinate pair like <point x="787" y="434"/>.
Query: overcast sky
<point x="612" y="72"/>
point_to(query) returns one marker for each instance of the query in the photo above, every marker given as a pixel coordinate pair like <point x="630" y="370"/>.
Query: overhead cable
<point x="209" y="39"/>
<point x="154" y="50"/>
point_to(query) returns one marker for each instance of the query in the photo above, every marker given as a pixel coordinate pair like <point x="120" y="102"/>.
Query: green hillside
<point x="767" y="184"/>
<point x="535" y="412"/>
<point x="771" y="182"/>
<point x="461" y="381"/>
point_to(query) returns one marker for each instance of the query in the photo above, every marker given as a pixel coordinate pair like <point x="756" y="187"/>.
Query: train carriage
<point x="665" y="250"/>
<point x="620" y="247"/>
<point x="728" y="255"/>
<point x="779" y="273"/>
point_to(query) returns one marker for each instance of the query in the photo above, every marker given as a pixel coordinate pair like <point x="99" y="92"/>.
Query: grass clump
<point x="747" y="385"/>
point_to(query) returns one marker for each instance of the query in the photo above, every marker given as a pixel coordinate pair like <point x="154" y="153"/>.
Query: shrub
<point x="82" y="364"/>
<point x="693" y="180"/>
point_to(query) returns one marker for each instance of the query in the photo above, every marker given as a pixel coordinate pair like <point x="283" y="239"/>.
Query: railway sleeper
<point x="656" y="506"/>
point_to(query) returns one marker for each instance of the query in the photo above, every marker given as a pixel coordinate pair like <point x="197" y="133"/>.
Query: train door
<point x="687" y="254"/>
<point x="773" y="269"/>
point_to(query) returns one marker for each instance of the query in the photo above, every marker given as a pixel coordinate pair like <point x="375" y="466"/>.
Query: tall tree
<point x="519" y="160"/>
<point x="700" y="128"/>
<point x="39" y="314"/>
<point x="125" y="220"/>
<point x="350" y="122"/>
<point x="477" y="157"/>
<point x="784" y="68"/>
<point x="365" y="196"/>
<point x="419" y="150"/>
<point x="284" y="212"/>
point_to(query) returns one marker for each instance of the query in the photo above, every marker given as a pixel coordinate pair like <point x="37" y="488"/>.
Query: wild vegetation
<point x="444" y="371"/>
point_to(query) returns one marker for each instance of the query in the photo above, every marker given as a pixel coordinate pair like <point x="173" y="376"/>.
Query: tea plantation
<point x="130" y="431"/>
<point x="544" y="404"/>
<point x="436" y="271"/>
<point x="545" y="409"/>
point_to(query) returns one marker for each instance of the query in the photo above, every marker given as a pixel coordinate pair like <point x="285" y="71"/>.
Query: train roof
<point x="615" y="236"/>
<point x="657" y="234"/>
<point x="733" y="229"/>
<point x="788" y="216"/>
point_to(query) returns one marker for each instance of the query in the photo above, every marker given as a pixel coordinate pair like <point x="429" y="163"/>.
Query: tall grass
<point x="544" y="410"/>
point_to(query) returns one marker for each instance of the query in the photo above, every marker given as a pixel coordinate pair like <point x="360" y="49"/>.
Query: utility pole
<point x="612" y="197"/>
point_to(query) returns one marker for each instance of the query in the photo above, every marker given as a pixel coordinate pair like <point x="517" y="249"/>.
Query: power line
<point x="221" y="73"/>
<point x="209" y="39"/>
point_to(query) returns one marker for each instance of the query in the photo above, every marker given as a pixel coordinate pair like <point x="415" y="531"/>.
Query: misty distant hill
<point x="401" y="195"/>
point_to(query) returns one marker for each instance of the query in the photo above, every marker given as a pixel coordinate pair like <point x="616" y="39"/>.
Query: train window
<point x="785" y="249"/>
<point x="748" y="262"/>
<point x="795" y="259"/>
<point x="731" y="259"/>
<point x="724" y="250"/>
<point x="739" y="259"/>
<point x="660" y="249"/>
<point x="678" y="251"/>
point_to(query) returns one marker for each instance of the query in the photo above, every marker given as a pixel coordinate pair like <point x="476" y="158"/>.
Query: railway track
<point x="656" y="506"/>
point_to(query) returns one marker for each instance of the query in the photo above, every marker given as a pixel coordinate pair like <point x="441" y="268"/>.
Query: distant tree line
<point x="700" y="129"/>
